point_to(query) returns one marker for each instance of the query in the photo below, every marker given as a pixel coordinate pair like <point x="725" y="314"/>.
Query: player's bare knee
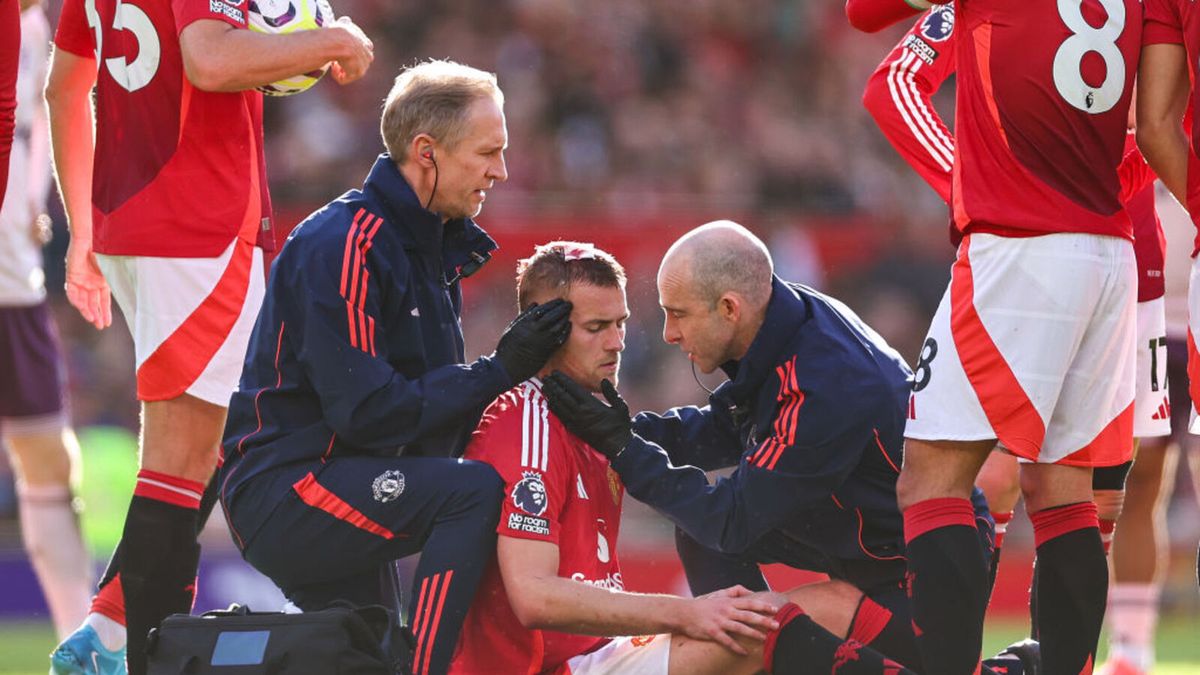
<point x="831" y="604"/>
<point x="1046" y="486"/>
<point x="40" y="459"/>
<point x="1000" y="481"/>
<point x="775" y="599"/>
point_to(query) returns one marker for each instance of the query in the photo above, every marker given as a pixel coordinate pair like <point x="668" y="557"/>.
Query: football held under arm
<point x="218" y="56"/>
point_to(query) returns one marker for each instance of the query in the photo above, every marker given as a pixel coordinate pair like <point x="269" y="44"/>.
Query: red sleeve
<point x="10" y="53"/>
<point x="1162" y="23"/>
<point x="898" y="97"/>
<point x="1135" y="174"/>
<point x="517" y="438"/>
<point x="232" y="12"/>
<point x="870" y="16"/>
<point x="73" y="34"/>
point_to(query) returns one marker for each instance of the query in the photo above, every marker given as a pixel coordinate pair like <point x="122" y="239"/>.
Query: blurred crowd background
<point x="630" y="121"/>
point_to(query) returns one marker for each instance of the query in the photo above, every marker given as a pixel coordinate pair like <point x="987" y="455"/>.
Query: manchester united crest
<point x="388" y="486"/>
<point x="615" y="486"/>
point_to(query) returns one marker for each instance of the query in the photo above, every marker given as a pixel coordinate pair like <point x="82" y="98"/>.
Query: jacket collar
<point x="455" y="240"/>
<point x="786" y="312"/>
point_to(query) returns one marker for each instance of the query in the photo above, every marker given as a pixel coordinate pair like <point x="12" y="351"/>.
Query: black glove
<point x="532" y="337"/>
<point x="606" y="428"/>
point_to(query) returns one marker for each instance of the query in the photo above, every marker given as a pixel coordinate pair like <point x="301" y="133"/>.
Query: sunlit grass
<point x="24" y="646"/>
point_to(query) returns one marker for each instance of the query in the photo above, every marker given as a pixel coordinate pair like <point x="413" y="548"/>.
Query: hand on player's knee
<point x="732" y="614"/>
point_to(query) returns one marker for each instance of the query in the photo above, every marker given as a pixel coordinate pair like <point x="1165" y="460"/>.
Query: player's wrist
<point x="349" y="38"/>
<point x="675" y="613"/>
<point x="339" y="42"/>
<point x="919" y="4"/>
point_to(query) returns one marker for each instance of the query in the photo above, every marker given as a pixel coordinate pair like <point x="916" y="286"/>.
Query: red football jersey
<point x="177" y="172"/>
<point x="1149" y="242"/>
<point x="1178" y="22"/>
<point x="898" y="97"/>
<point x="557" y="489"/>
<point x="1043" y="95"/>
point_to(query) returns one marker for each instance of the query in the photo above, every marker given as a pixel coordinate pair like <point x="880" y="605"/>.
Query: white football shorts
<point x="1193" y="362"/>
<point x="1152" y="405"/>
<point x="646" y="655"/>
<point x="1034" y="344"/>
<point x="190" y="319"/>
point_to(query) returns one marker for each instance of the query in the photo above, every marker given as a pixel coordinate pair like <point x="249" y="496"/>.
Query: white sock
<point x="50" y="530"/>
<point x="1132" y="618"/>
<point x="111" y="633"/>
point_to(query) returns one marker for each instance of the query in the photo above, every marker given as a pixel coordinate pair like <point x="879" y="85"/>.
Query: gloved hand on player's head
<point x="606" y="428"/>
<point x="532" y="338"/>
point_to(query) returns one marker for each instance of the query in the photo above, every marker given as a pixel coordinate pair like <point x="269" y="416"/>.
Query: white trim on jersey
<point x="167" y="486"/>
<point x="535" y="428"/>
<point x="907" y="98"/>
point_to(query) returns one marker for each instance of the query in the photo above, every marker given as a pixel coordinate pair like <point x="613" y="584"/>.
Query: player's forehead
<point x="591" y="302"/>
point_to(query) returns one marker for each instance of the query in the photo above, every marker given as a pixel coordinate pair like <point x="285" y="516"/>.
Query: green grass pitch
<point x="24" y="646"/>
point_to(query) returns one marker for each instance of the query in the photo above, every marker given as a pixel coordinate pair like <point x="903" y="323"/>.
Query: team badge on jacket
<point x="388" y="486"/>
<point x="529" y="494"/>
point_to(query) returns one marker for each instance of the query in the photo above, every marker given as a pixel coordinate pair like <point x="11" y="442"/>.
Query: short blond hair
<point x="433" y="97"/>
<point x="555" y="267"/>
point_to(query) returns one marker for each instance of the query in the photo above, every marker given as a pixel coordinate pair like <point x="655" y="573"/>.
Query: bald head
<point x="721" y="257"/>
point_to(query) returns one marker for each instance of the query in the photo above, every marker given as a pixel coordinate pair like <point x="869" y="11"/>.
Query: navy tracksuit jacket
<point x="813" y="417"/>
<point x="358" y="348"/>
